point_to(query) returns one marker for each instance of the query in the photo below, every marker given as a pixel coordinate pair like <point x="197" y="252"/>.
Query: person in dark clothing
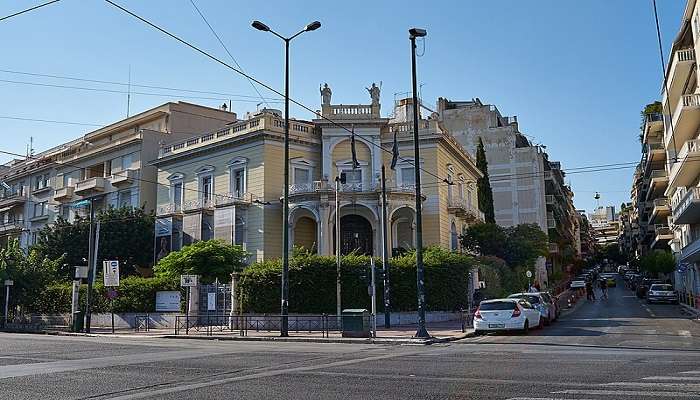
<point x="604" y="288"/>
<point x="590" y="295"/>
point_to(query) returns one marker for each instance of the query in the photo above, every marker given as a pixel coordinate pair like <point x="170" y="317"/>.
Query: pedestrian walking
<point x="604" y="288"/>
<point x="590" y="295"/>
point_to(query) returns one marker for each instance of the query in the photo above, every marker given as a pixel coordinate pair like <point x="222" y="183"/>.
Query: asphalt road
<point x="614" y="349"/>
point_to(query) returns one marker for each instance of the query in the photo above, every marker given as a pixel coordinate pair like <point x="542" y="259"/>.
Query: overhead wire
<point x="28" y="10"/>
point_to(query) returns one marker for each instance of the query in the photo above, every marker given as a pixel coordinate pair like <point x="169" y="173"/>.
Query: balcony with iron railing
<point x="687" y="209"/>
<point x="686" y="119"/>
<point x="198" y="205"/>
<point x="684" y="169"/>
<point x="168" y="209"/>
<point x="662" y="235"/>
<point x="10" y="226"/>
<point x="233" y="198"/>
<point x="660" y="210"/>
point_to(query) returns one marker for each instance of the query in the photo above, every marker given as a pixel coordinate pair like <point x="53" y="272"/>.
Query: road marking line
<point x="672" y="378"/>
<point x="541" y="398"/>
<point x="638" y="393"/>
<point x="684" y="333"/>
<point x="650" y="331"/>
<point x="691" y="372"/>
<point x="690" y="387"/>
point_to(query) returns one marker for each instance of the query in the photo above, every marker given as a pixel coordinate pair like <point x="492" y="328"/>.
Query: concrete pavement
<point x="619" y="349"/>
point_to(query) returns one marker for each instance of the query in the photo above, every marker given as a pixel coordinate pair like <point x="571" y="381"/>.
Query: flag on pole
<point x="394" y="153"/>
<point x="355" y="164"/>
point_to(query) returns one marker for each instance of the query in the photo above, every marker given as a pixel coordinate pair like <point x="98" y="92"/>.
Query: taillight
<point x="516" y="313"/>
<point x="477" y="314"/>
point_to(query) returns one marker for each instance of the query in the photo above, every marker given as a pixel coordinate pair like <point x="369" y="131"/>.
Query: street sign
<point x="81" y="272"/>
<point x="110" y="273"/>
<point x="188" y="280"/>
<point x="211" y="301"/>
<point x="528" y="274"/>
<point x="9" y="282"/>
<point x="167" y="301"/>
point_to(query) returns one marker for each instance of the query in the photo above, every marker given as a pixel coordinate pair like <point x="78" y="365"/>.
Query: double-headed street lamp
<point x="420" y="276"/>
<point x="285" y="213"/>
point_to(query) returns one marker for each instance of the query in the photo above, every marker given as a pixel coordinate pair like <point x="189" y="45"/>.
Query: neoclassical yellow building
<point x="228" y="184"/>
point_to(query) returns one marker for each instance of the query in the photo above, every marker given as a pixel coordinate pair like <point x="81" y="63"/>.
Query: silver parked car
<point x="547" y="310"/>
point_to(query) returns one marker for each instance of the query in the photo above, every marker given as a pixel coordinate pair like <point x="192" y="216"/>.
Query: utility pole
<point x="385" y="255"/>
<point x="338" y="299"/>
<point x="92" y="262"/>
<point x="421" y="332"/>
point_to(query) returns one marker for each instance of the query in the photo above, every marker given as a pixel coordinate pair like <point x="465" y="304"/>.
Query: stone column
<point x="325" y="235"/>
<point x="234" y="301"/>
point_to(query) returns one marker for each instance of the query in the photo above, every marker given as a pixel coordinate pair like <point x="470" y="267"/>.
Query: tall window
<point x="40" y="209"/>
<point x="454" y="237"/>
<point x="126" y="161"/>
<point x="125" y="199"/>
<point x="206" y="188"/>
<point x="449" y="187"/>
<point x="353" y="175"/>
<point x="238" y="181"/>
<point x="408" y="176"/>
<point x="240" y="234"/>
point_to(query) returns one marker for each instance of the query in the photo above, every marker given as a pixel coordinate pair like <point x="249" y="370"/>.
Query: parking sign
<point x="188" y="280"/>
<point x="110" y="273"/>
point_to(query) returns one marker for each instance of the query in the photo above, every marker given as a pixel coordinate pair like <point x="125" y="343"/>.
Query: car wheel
<point x="526" y="326"/>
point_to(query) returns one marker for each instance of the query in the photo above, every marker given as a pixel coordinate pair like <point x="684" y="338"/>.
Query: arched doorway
<point x="355" y="235"/>
<point x="305" y="234"/>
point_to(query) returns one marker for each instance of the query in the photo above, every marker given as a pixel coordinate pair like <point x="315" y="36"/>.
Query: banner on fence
<point x="167" y="301"/>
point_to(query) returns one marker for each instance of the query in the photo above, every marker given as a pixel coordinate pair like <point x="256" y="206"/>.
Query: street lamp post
<point x="285" y="213"/>
<point x="420" y="283"/>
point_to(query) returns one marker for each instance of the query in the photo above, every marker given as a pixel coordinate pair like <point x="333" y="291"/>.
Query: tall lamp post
<point x="420" y="284"/>
<point x="285" y="213"/>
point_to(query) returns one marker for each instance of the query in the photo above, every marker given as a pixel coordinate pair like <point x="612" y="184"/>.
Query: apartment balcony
<point x="231" y="198"/>
<point x="657" y="183"/>
<point x="90" y="186"/>
<point x="168" y="209"/>
<point x="551" y="223"/>
<point x="686" y="118"/>
<point x="310" y="187"/>
<point x="685" y="169"/>
<point x="12" y="200"/>
<point x="63" y="194"/>
<point x="198" y="205"/>
<point x="653" y="122"/>
<point x="682" y="62"/>
<point x="690" y="253"/>
<point x="662" y="235"/>
<point x="661" y="210"/>
<point x="655" y="152"/>
<point x="549" y="199"/>
<point x="123" y="178"/>
<point x="687" y="210"/>
<point x="12" y="226"/>
<point x="553" y="248"/>
<point x="463" y="209"/>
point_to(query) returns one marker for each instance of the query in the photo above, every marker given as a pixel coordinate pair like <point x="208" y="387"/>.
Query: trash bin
<point x="77" y="321"/>
<point x="356" y="323"/>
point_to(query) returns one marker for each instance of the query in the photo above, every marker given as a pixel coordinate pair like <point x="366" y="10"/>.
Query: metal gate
<point x="220" y="295"/>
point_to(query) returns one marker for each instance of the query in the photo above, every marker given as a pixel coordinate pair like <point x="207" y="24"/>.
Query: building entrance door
<point x="355" y="234"/>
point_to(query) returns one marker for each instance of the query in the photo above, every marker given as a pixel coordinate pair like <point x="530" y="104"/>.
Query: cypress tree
<point x="483" y="185"/>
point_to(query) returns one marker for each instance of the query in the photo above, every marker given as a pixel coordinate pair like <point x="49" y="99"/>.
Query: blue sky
<point x="576" y="74"/>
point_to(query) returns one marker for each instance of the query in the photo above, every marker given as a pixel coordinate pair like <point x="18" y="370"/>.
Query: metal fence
<point x="467" y="319"/>
<point x="36" y="323"/>
<point x="210" y="324"/>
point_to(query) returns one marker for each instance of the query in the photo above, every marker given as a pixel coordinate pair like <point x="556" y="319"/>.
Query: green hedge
<point x="312" y="283"/>
<point x="136" y="294"/>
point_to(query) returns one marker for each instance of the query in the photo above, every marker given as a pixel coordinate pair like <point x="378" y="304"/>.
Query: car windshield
<point x="531" y="298"/>
<point x="666" y="288"/>
<point x="497" y="305"/>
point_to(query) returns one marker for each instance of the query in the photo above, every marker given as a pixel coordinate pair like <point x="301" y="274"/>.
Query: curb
<point x="690" y="310"/>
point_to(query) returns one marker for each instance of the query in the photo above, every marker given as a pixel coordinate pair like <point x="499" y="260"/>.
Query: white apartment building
<point x="681" y="111"/>
<point x="527" y="187"/>
<point x="110" y="166"/>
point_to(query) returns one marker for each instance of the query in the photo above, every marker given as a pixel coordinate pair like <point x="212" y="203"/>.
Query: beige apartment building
<point x="110" y="166"/>
<point x="227" y="184"/>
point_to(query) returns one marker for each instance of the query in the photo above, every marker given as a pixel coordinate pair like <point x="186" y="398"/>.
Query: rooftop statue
<point x="374" y="94"/>
<point x="326" y="94"/>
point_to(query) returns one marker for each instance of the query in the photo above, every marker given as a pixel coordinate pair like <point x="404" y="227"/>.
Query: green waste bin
<point x="77" y="321"/>
<point x="356" y="323"/>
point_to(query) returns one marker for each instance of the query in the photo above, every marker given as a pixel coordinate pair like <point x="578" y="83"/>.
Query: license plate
<point x="497" y="325"/>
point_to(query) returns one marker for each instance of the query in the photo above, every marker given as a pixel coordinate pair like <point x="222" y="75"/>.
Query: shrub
<point x="210" y="259"/>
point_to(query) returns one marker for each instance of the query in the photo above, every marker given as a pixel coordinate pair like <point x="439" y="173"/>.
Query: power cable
<point x="106" y="82"/>
<point x="47" y="121"/>
<point x="28" y="10"/>
<point x="53" y="85"/>
<point x="663" y="72"/>
<point x="228" y="52"/>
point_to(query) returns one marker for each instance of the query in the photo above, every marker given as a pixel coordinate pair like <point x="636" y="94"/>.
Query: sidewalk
<point x="440" y="332"/>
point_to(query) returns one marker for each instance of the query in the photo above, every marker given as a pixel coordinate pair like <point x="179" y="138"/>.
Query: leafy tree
<point x="126" y="235"/>
<point x="659" y="261"/>
<point x="484" y="192"/>
<point x="210" y="259"/>
<point x="30" y="273"/>
<point x="486" y="239"/>
<point x="526" y="242"/>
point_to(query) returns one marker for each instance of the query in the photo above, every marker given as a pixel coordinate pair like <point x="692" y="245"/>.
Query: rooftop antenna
<point x="597" y="200"/>
<point x="128" y="94"/>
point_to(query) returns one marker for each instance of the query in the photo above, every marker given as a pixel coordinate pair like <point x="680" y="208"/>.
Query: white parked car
<point x="504" y="315"/>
